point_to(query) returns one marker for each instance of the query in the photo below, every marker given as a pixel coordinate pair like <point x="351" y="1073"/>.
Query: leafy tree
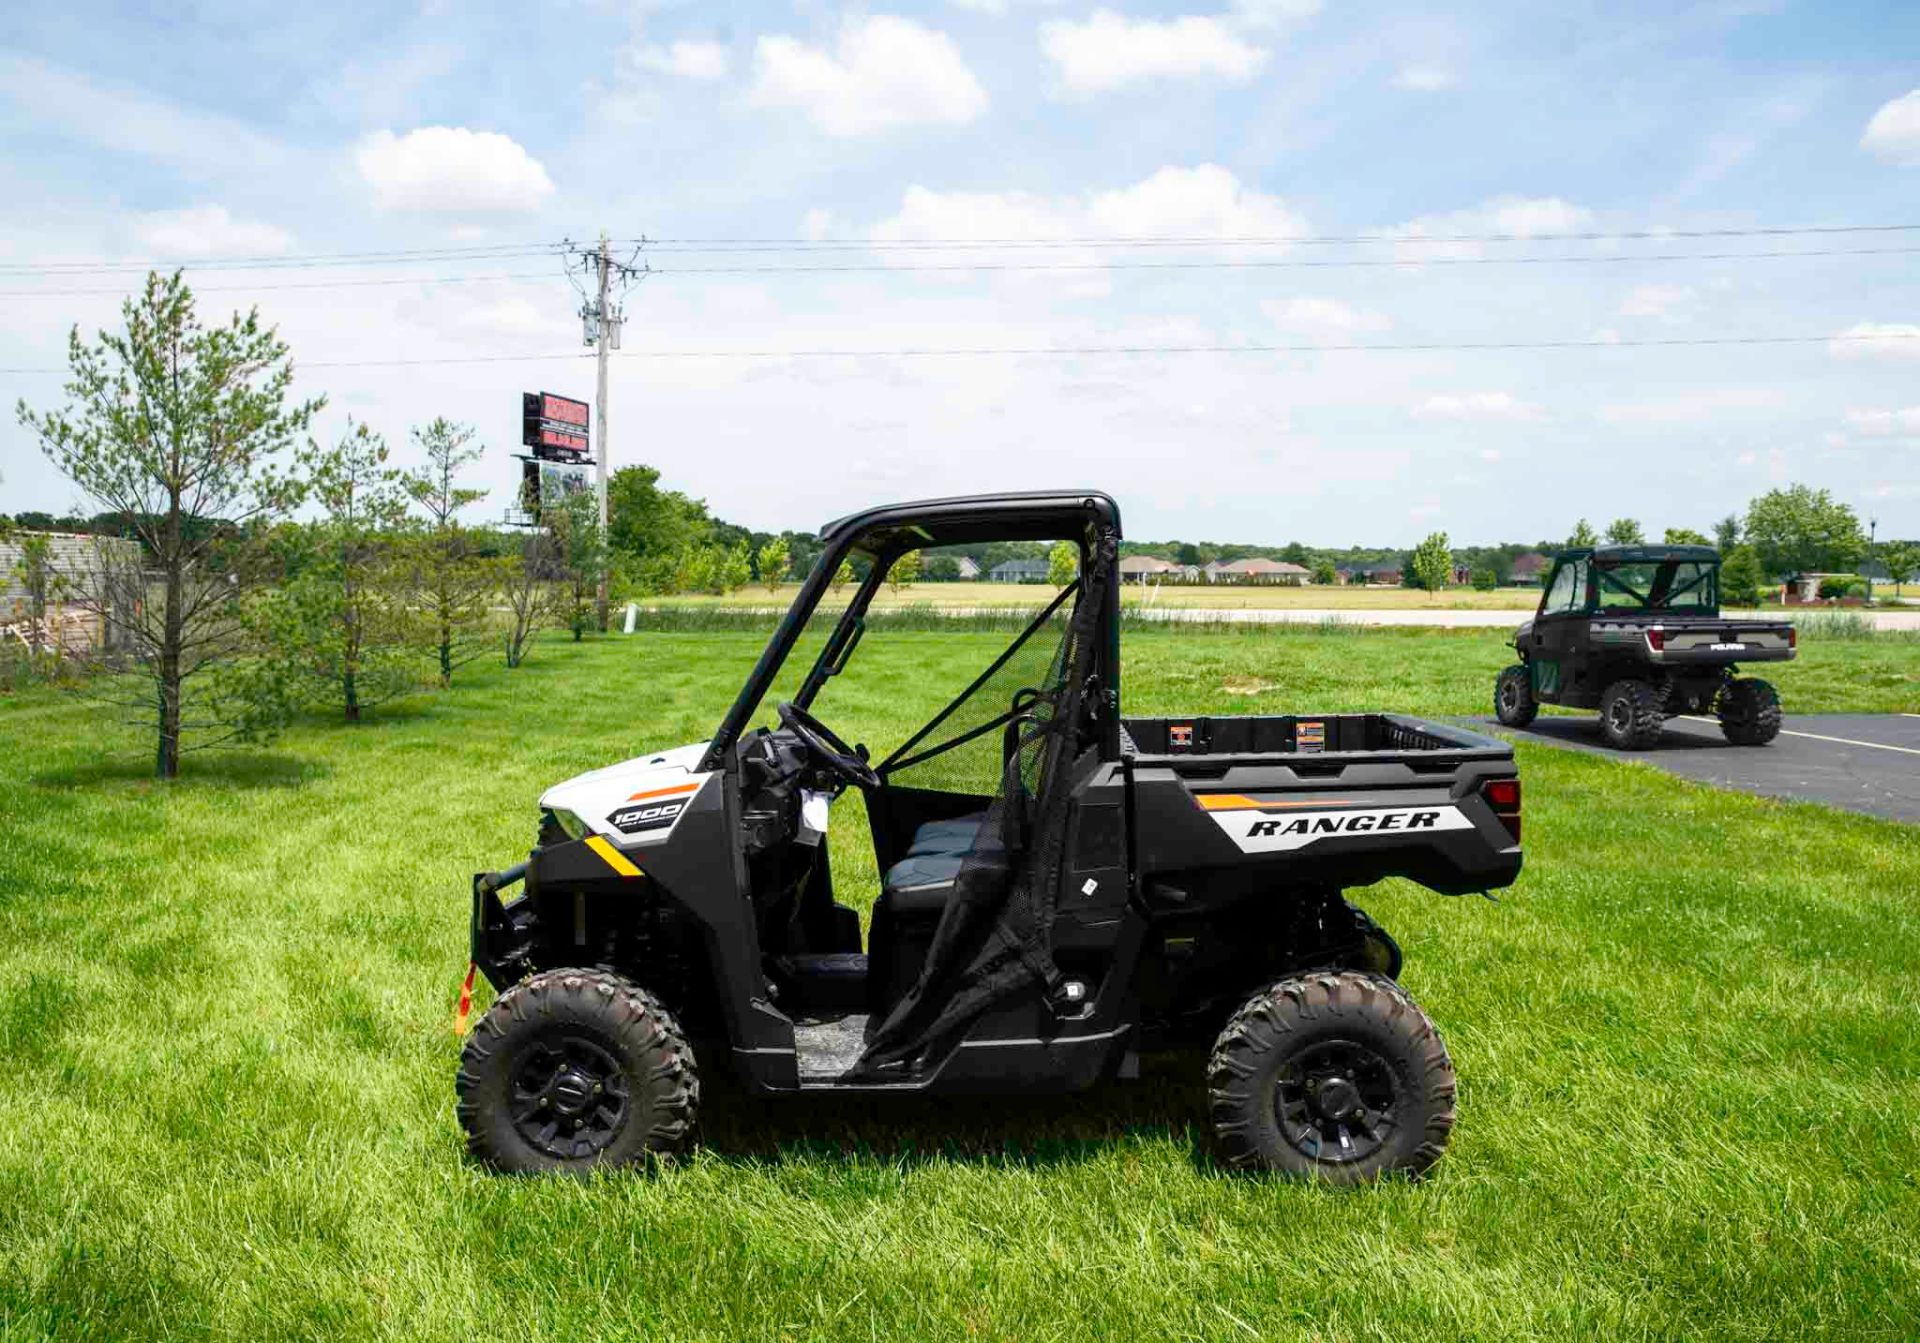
<point x="773" y="558"/>
<point x="1431" y="564"/>
<point x="904" y="572"/>
<point x="1902" y="558"/>
<point x="1801" y="530"/>
<point x="1063" y="563"/>
<point x="175" y="428"/>
<point x="1625" y="532"/>
<point x="1325" y="573"/>
<point x="646" y="521"/>
<point x="1726" y="533"/>
<point x="1486" y="578"/>
<point x="1295" y="553"/>
<point x="581" y="549"/>
<point x="1187" y="553"/>
<point x="733" y="569"/>
<point x="841" y="577"/>
<point x="1740" y="577"/>
<point x="1583" y="535"/>
<point x="1684" y="536"/>
<point x="530" y="580"/>
<point x="453" y="581"/>
<point x="344" y="618"/>
<point x="942" y="569"/>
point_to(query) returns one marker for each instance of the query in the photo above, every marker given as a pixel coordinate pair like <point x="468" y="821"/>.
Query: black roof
<point x="1641" y="554"/>
<point x="1036" y="515"/>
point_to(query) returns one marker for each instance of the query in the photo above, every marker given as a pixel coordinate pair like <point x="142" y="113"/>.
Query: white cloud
<point x="1694" y="407"/>
<point x="1203" y="202"/>
<point x="882" y="72"/>
<point x="1894" y="133"/>
<point x="1110" y="51"/>
<point x="1273" y="13"/>
<point x="1322" y="318"/>
<point x="1508" y="216"/>
<point x="685" y="59"/>
<point x="451" y="170"/>
<point x="207" y="230"/>
<point x="1423" y="79"/>
<point x="1656" y="300"/>
<point x="1877" y="340"/>
<point x="1488" y="407"/>
<point x="1902" y="423"/>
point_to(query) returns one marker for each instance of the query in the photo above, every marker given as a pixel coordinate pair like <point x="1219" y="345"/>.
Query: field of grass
<point x="1685" y="1041"/>
<point x="1214" y="597"/>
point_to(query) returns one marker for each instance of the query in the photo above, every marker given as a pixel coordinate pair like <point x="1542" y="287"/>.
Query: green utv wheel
<point x="1513" y="702"/>
<point x="1630" y="716"/>
<point x="1749" y="711"/>
<point x="1336" y="1076"/>
<point x="576" y="1069"/>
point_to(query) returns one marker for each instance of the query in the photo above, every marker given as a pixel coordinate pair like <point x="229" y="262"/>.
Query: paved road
<point x="1862" y="762"/>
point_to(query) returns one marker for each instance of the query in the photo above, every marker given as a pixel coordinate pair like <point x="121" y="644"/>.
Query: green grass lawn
<point x="1688" y="1065"/>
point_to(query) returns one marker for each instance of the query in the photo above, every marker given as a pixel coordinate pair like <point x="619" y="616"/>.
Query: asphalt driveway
<point x="1861" y="762"/>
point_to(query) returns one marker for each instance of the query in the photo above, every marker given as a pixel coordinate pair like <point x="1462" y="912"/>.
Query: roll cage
<point x="882" y="536"/>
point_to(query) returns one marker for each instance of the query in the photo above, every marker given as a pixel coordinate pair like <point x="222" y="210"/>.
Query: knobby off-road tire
<point x="1513" y="701"/>
<point x="1630" y="716"/>
<point x="1334" y="1075"/>
<point x="573" y="1070"/>
<point x="1749" y="711"/>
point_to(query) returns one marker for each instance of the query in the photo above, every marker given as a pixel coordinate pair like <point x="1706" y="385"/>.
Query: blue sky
<point x="201" y="135"/>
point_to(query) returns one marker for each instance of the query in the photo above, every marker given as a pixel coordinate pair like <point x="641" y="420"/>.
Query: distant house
<point x="1462" y="574"/>
<point x="1143" y="567"/>
<point x="1257" y="570"/>
<point x="1388" y="572"/>
<point x="85" y="573"/>
<point x="1530" y="567"/>
<point x="1019" y="571"/>
<point x="969" y="567"/>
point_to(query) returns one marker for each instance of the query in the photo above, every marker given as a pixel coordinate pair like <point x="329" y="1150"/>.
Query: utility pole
<point x="602" y="318"/>
<point x="607" y="327"/>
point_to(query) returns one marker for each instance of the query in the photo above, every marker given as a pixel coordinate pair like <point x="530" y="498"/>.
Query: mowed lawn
<point x="1209" y="596"/>
<point x="1688" y="1064"/>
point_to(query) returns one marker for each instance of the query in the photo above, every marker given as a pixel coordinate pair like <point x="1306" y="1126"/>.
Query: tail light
<point x="1503" y="796"/>
<point x="1656" y="639"/>
<point x="1793" y="636"/>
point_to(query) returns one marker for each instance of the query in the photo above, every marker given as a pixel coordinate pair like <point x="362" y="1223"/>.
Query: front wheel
<point x="1513" y="701"/>
<point x="1630" y="716"/>
<point x="1335" y="1076"/>
<point x="576" y="1069"/>
<point x="1749" y="711"/>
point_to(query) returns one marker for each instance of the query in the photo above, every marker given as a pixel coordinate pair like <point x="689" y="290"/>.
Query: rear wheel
<point x="576" y="1069"/>
<point x="1513" y="702"/>
<point x="1749" y="711"/>
<point x="1630" y="715"/>
<point x="1334" y="1076"/>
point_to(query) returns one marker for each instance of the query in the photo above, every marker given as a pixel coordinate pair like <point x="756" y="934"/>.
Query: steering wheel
<point x="835" y="754"/>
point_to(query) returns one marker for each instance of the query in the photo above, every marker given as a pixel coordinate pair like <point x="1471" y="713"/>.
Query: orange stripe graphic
<point x="663" y="792"/>
<point x="1240" y="802"/>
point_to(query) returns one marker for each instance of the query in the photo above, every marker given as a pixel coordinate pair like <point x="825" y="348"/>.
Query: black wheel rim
<point x="1620" y="716"/>
<point x="1338" y="1101"/>
<point x="569" y="1097"/>
<point x="1509" y="695"/>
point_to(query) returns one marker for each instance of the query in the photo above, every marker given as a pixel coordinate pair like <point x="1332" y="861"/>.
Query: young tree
<point x="773" y="559"/>
<point x="582" y="550"/>
<point x="1726" y="533"/>
<point x="1684" y="536"/>
<point x="529" y="581"/>
<point x="1740" y="577"/>
<point x="1324" y="572"/>
<point x="841" y="577"/>
<point x="904" y="572"/>
<point x="344" y="617"/>
<point x="1801" y="530"/>
<point x="175" y="428"/>
<point x="1486" y="578"/>
<point x="1902" y="558"/>
<point x="1063" y="563"/>
<point x="1431" y="564"/>
<point x="1625" y="532"/>
<point x="1583" y="535"/>
<point x="733" y="569"/>
<point x="454" y="585"/>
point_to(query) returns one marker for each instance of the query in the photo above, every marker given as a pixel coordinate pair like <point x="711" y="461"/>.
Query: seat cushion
<point x="947" y="837"/>
<point x="920" y="872"/>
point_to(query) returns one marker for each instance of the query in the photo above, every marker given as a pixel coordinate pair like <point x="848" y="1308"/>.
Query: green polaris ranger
<point x="1636" y="632"/>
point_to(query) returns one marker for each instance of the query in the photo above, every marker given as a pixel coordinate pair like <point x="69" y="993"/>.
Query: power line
<point x="1251" y="240"/>
<point x="1212" y="263"/>
<point x="921" y="352"/>
<point x="487" y="252"/>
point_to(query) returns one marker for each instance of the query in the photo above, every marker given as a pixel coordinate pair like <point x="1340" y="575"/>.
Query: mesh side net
<point x="995" y="934"/>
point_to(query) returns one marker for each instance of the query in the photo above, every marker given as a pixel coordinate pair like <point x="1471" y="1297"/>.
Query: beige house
<point x="1257" y="570"/>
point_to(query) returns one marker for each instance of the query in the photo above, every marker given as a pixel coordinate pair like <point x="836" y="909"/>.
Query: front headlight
<point x="568" y="824"/>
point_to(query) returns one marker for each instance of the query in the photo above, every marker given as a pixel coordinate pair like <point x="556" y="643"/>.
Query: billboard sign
<point x="555" y="427"/>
